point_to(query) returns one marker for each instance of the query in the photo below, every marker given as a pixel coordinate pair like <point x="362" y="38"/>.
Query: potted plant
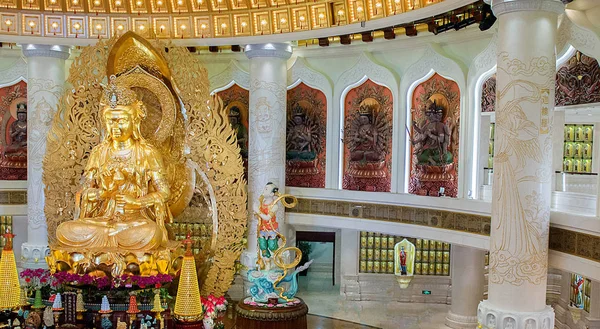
<point x="305" y="248"/>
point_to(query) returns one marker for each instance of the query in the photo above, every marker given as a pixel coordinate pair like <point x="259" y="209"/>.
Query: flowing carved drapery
<point x="578" y="81"/>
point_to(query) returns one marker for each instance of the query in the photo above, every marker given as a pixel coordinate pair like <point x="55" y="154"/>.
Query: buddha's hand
<point x="93" y="194"/>
<point x="125" y="201"/>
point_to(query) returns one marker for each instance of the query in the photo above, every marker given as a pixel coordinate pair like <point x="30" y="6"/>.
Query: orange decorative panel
<point x="32" y="24"/>
<point x="261" y="22"/>
<point x="300" y="19"/>
<point x="319" y="16"/>
<point x="242" y="24"/>
<point x="182" y="27"/>
<point x="222" y="25"/>
<point x="162" y="27"/>
<point x="119" y="25"/>
<point x="30" y="4"/>
<point x="97" y="5"/>
<point x="99" y="27"/>
<point x="9" y="23"/>
<point x="202" y="27"/>
<point x="281" y="21"/>
<point x="76" y="27"/>
<point x="142" y="26"/>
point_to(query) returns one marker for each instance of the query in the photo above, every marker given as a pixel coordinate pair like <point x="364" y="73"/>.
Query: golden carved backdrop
<point x="200" y="133"/>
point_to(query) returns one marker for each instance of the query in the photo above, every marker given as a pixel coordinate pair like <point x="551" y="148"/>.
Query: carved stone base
<point x="34" y="256"/>
<point x="461" y="321"/>
<point x="260" y="317"/>
<point x="491" y="317"/>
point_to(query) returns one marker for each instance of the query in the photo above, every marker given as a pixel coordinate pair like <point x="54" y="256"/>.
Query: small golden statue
<point x="123" y="201"/>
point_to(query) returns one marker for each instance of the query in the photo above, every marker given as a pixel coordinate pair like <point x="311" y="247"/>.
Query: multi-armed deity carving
<point x="435" y="138"/>
<point x="368" y="136"/>
<point x="274" y="276"/>
<point x="145" y="171"/>
<point x="13" y="144"/>
<point x="305" y="140"/>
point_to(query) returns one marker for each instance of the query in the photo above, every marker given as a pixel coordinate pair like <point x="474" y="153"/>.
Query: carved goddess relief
<point x="13" y="132"/>
<point x="488" y="95"/>
<point x="434" y="138"/>
<point x="305" y="137"/>
<point x="368" y="138"/>
<point x="236" y="101"/>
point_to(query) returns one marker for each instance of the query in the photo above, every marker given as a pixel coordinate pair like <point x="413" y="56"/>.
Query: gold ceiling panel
<point x="300" y="19"/>
<point x="75" y="6"/>
<point x="54" y="26"/>
<point x="98" y="6"/>
<point x="31" y="4"/>
<point x="33" y="24"/>
<point x="162" y="27"/>
<point x="141" y="26"/>
<point x="8" y="4"/>
<point x="202" y="27"/>
<point x="319" y="17"/>
<point x="222" y="26"/>
<point x="281" y="21"/>
<point x="99" y="27"/>
<point x="261" y="23"/>
<point x="9" y="23"/>
<point x="76" y="27"/>
<point x="164" y="18"/>
<point x="119" y="25"/>
<point x="182" y="27"/>
<point x="241" y="24"/>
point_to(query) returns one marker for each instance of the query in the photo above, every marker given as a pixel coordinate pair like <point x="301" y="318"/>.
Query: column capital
<point x="500" y="7"/>
<point x="490" y="317"/>
<point x="278" y="50"/>
<point x="31" y="50"/>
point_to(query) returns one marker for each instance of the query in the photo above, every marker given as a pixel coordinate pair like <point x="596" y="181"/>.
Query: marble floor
<point x="326" y="303"/>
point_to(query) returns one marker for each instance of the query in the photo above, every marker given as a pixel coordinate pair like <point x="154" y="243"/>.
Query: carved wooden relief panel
<point x="578" y="81"/>
<point x="434" y="137"/>
<point x="305" y="137"/>
<point x="368" y="138"/>
<point x="236" y="100"/>
<point x="13" y="132"/>
<point x="488" y="95"/>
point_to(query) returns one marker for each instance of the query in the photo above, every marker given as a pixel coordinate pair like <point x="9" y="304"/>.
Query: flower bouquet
<point x="214" y="311"/>
<point x="35" y="280"/>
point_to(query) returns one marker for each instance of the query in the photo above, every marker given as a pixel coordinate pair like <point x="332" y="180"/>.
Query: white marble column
<point x="267" y="125"/>
<point x="521" y="190"/>
<point x="467" y="286"/>
<point x="45" y="80"/>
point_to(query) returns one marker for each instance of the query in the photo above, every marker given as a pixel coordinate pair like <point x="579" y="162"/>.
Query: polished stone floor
<point x="327" y="305"/>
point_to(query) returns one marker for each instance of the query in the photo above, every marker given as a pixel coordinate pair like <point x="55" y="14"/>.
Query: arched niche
<point x="232" y="86"/>
<point x="13" y="99"/>
<point x="309" y="98"/>
<point x="583" y="40"/>
<point x="481" y="74"/>
<point x="365" y="77"/>
<point x="432" y="62"/>
<point x="233" y="74"/>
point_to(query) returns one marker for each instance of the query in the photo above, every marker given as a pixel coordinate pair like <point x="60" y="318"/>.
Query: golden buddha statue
<point x="122" y="206"/>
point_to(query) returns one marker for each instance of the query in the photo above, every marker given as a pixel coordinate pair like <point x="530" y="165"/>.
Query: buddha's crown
<point x="116" y="94"/>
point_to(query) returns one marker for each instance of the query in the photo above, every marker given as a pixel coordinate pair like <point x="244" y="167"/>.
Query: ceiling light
<point x="142" y="27"/>
<point x="359" y="9"/>
<point x="120" y="27"/>
<point x="139" y="3"/>
<point x="54" y="25"/>
<point x="159" y="3"/>
<point x="99" y="27"/>
<point x="117" y="3"/>
<point x="77" y="26"/>
<point x="183" y="27"/>
<point x="378" y="5"/>
<point x="53" y="2"/>
<point x="75" y="2"/>
<point x="302" y="19"/>
<point x="223" y="26"/>
<point x="263" y="22"/>
<point x="8" y="22"/>
<point x="97" y="2"/>
<point x="31" y="23"/>
<point x="340" y="12"/>
<point x="321" y="15"/>
<point x="283" y="20"/>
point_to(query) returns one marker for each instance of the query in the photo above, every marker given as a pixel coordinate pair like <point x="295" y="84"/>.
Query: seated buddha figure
<point x="122" y="203"/>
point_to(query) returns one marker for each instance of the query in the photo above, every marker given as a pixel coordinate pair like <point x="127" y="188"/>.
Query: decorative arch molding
<point x="301" y="72"/>
<point x="582" y="39"/>
<point x="365" y="68"/>
<point x="433" y="61"/>
<point x="482" y="67"/>
<point x="233" y="74"/>
<point x="16" y="72"/>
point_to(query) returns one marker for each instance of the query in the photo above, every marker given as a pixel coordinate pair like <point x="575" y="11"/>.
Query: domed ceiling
<point x="189" y="18"/>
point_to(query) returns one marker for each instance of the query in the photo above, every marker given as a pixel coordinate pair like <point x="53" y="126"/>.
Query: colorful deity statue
<point x="273" y="278"/>
<point x="18" y="133"/>
<point x="404" y="262"/>
<point x="303" y="140"/>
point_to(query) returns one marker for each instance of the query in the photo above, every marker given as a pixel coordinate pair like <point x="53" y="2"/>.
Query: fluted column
<point x="521" y="191"/>
<point x="467" y="286"/>
<point x="45" y="80"/>
<point x="267" y="124"/>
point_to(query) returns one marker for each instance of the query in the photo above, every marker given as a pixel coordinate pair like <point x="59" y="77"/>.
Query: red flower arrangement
<point x="214" y="309"/>
<point x="35" y="278"/>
